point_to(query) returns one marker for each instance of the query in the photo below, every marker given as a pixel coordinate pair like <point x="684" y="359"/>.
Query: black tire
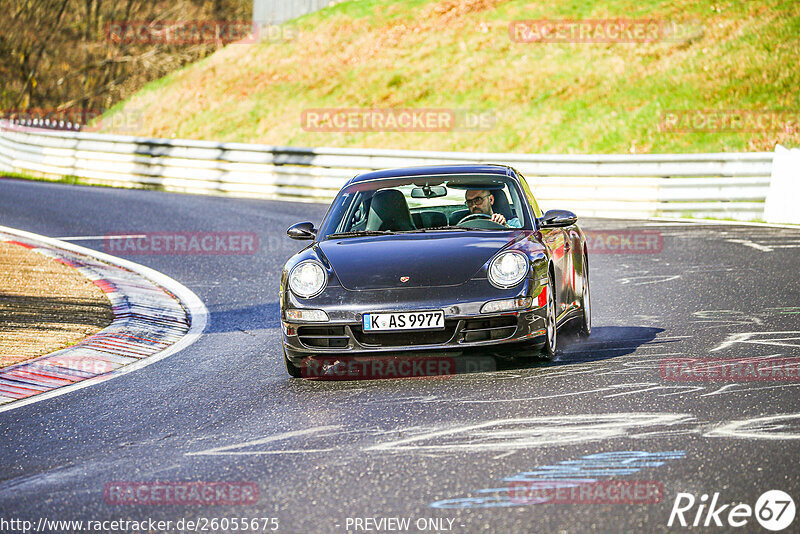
<point x="585" y="325"/>
<point x="293" y="370"/>
<point x="551" y="328"/>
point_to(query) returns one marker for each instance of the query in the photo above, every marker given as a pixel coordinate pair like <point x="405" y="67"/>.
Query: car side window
<point x="537" y="212"/>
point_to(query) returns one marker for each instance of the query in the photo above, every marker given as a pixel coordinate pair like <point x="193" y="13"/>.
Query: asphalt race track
<point x="444" y="453"/>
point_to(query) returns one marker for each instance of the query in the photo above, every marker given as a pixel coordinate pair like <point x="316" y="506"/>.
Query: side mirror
<point x="303" y="230"/>
<point x="558" y="219"/>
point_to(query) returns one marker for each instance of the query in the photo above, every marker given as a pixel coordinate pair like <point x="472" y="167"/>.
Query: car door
<point x="558" y="242"/>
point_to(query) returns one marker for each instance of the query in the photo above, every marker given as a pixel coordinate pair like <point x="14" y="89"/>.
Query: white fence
<point x="725" y="185"/>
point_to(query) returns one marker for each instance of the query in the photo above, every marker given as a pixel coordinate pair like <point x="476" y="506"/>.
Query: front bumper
<point x="465" y="326"/>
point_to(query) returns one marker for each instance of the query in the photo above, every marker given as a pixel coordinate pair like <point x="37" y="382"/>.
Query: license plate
<point x="382" y="322"/>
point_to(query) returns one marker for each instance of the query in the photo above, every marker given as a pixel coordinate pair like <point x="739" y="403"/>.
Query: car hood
<point x="428" y="260"/>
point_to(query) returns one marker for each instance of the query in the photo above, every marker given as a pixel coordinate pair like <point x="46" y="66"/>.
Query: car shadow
<point x="605" y="343"/>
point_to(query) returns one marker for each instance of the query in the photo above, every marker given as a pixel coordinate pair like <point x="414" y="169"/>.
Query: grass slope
<point x="458" y="54"/>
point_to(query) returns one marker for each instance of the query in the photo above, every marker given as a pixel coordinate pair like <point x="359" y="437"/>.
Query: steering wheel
<point x="473" y="216"/>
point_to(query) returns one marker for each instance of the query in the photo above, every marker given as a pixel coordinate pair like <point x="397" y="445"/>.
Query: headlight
<point x="508" y="269"/>
<point x="307" y="278"/>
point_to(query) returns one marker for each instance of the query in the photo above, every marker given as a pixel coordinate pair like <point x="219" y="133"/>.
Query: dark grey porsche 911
<point x="433" y="258"/>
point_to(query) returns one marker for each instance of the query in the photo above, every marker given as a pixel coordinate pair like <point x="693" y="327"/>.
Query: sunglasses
<point x="475" y="201"/>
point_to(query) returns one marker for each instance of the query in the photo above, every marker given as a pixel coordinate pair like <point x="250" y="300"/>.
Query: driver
<point x="481" y="200"/>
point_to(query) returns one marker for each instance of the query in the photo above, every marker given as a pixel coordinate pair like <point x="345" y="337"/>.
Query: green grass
<point x="73" y="180"/>
<point x="457" y="54"/>
<point x="68" y="179"/>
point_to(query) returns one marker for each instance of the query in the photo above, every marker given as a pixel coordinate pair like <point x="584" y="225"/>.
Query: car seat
<point x="389" y="211"/>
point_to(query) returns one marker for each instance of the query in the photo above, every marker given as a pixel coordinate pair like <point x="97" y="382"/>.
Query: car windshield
<point x="426" y="203"/>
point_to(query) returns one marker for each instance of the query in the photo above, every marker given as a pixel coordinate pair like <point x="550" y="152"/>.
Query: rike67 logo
<point x="774" y="510"/>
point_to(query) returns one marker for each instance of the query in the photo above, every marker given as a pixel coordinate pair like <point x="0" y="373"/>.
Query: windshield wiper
<point x="362" y="233"/>
<point x="436" y="228"/>
<point x="439" y="228"/>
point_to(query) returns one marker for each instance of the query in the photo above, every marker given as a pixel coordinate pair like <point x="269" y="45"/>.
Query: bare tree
<point x="57" y="54"/>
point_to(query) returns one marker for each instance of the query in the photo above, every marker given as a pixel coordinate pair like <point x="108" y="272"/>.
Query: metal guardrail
<point x="724" y="185"/>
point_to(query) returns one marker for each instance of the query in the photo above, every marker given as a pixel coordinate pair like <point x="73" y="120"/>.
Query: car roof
<point x="428" y="170"/>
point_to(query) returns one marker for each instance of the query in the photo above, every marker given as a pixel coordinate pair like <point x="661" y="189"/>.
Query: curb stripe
<point x="154" y="317"/>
